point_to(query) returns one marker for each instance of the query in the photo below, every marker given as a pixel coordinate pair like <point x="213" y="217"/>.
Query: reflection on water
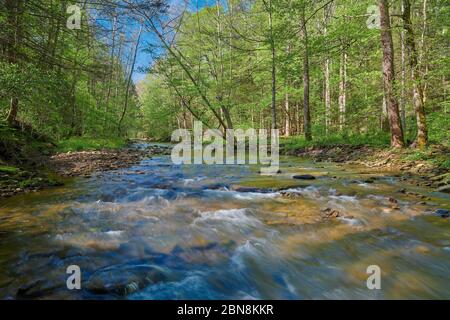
<point x="162" y="231"/>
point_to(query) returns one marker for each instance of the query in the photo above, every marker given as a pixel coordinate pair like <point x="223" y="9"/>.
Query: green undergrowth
<point x="299" y="142"/>
<point x="89" y="144"/>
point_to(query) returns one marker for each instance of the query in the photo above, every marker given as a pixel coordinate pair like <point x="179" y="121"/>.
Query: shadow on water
<point x="162" y="231"/>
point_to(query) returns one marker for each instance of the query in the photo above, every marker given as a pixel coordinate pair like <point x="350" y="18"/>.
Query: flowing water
<point x="164" y="231"/>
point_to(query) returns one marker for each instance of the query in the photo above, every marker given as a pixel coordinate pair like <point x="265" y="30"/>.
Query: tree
<point x="306" y="106"/>
<point x="14" y="10"/>
<point x="130" y="76"/>
<point x="418" y="99"/>
<point x="389" y="76"/>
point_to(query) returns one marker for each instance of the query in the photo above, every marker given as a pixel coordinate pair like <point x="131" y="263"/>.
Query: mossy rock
<point x="9" y="169"/>
<point x="267" y="184"/>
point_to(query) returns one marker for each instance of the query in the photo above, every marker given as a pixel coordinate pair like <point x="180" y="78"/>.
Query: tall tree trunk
<point x="418" y="101"/>
<point x="327" y="95"/>
<point x="343" y="89"/>
<point x="306" y="107"/>
<point x="13" y="110"/>
<point x="423" y="56"/>
<point x="327" y="89"/>
<point x="384" y="121"/>
<point x="14" y="35"/>
<point x="127" y="92"/>
<point x="273" y="63"/>
<point x="389" y="76"/>
<point x="403" y="81"/>
<point x="111" y="69"/>
<point x="287" y="124"/>
<point x="220" y="77"/>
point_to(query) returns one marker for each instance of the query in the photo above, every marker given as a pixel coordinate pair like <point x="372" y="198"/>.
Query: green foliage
<point x="6" y="132"/>
<point x="228" y="54"/>
<point x="373" y="140"/>
<point x="62" y="77"/>
<point x="159" y="110"/>
<point x="8" y="169"/>
<point x="87" y="143"/>
<point x="72" y="82"/>
<point x="430" y="154"/>
<point x="439" y="127"/>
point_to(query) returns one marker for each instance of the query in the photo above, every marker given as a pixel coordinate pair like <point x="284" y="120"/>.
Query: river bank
<point x="427" y="168"/>
<point x="46" y="168"/>
<point x="49" y="169"/>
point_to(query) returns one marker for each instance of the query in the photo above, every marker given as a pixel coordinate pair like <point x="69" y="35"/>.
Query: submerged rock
<point x="210" y="253"/>
<point x="442" y="213"/>
<point x="248" y="189"/>
<point x="329" y="213"/>
<point x="304" y="177"/>
<point x="123" y="280"/>
<point x="36" y="289"/>
<point x="291" y="195"/>
<point x="445" y="189"/>
<point x="392" y="200"/>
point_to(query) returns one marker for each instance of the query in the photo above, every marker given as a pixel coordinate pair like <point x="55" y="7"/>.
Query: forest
<point x="352" y="202"/>
<point x="317" y="70"/>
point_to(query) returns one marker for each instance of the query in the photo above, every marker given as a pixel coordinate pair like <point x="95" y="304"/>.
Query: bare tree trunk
<point x="389" y="76"/>
<point x="418" y="100"/>
<point x="342" y="89"/>
<point x="306" y="110"/>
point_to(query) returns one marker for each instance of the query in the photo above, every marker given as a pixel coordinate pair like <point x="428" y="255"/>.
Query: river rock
<point x="274" y="172"/>
<point x="329" y="213"/>
<point x="291" y="195"/>
<point x="304" y="177"/>
<point x="445" y="189"/>
<point x="442" y="213"/>
<point x="392" y="200"/>
<point x="36" y="289"/>
<point x="123" y="280"/>
<point x="238" y="188"/>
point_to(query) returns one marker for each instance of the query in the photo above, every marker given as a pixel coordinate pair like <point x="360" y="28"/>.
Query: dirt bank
<point x="14" y="180"/>
<point x="84" y="163"/>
